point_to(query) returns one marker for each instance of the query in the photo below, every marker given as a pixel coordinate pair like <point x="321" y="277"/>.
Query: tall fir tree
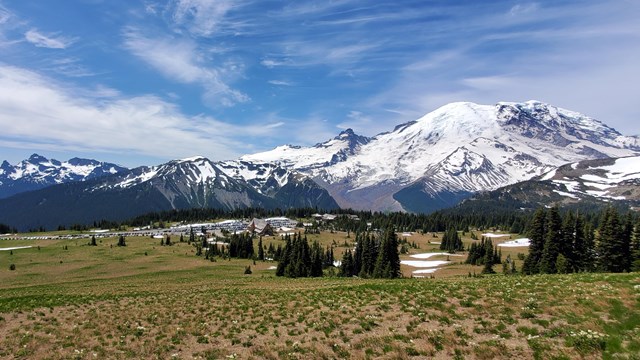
<point x="387" y="264"/>
<point x="552" y="239"/>
<point x="537" y="237"/>
<point x="192" y="236"/>
<point x="627" y="238"/>
<point x="260" y="250"/>
<point x="285" y="257"/>
<point x="566" y="245"/>
<point x="590" y="259"/>
<point x="347" y="265"/>
<point x="635" y="248"/>
<point x="580" y="251"/>
<point x="489" y="257"/>
<point x="613" y="246"/>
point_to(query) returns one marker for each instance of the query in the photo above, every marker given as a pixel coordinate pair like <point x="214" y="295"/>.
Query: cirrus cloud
<point x="50" y="41"/>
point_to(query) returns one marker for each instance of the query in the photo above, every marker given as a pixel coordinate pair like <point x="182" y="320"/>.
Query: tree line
<point x="569" y="243"/>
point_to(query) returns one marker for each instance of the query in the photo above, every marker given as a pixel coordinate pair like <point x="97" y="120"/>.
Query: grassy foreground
<point x="68" y="300"/>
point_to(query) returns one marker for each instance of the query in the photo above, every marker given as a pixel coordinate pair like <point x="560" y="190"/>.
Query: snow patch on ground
<point x="428" y="255"/>
<point x="573" y="196"/>
<point x="524" y="242"/>
<point x="423" y="264"/>
<point x="570" y="185"/>
<point x="549" y="175"/>
<point x="15" y="248"/>
<point x="492" y="235"/>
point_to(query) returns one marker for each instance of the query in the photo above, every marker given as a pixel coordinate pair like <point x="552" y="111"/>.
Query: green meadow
<point x="68" y="300"/>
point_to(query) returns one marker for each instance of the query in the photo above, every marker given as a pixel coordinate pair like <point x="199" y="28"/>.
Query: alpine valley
<point x="450" y="154"/>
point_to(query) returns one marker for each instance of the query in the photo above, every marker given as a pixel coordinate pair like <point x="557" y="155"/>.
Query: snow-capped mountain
<point x="38" y="172"/>
<point x="180" y="184"/>
<point x="446" y="156"/>
<point x="454" y="151"/>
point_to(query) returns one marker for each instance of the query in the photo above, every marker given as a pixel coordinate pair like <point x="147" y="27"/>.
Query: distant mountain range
<point x="38" y="172"/>
<point x="449" y="155"/>
<point x="180" y="184"/>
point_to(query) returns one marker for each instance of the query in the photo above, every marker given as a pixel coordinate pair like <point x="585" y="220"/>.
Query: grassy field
<point x="69" y="300"/>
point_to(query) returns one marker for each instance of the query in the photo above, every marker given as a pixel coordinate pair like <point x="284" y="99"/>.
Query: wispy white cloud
<point x="51" y="41"/>
<point x="8" y="22"/>
<point x="272" y="63"/>
<point x="523" y="9"/>
<point x="281" y="83"/>
<point x="201" y="17"/>
<point x="71" y="67"/>
<point x="5" y="15"/>
<point x="67" y="118"/>
<point x="180" y="59"/>
<point x="577" y="57"/>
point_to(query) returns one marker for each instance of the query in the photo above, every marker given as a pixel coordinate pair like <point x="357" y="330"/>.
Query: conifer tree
<point x="613" y="246"/>
<point x="579" y="249"/>
<point x="388" y="261"/>
<point x="627" y="238"/>
<point x="370" y="250"/>
<point x="316" y="260"/>
<point x="357" y="254"/>
<point x="488" y="258"/>
<point x="93" y="240"/>
<point x="285" y="257"/>
<point x="536" y="235"/>
<point x="566" y="244"/>
<point x="553" y="237"/>
<point x="346" y="268"/>
<point x="635" y="248"/>
<point x="260" y="250"/>
<point x="590" y="259"/>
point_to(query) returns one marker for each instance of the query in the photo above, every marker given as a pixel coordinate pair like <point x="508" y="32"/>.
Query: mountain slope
<point x="455" y="151"/>
<point x="586" y="184"/>
<point x="605" y="179"/>
<point x="179" y="184"/>
<point x="38" y="172"/>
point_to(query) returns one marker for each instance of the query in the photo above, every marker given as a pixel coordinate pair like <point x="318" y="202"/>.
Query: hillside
<point x="589" y="185"/>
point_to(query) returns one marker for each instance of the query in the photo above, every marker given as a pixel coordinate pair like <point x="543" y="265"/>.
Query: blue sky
<point x="141" y="82"/>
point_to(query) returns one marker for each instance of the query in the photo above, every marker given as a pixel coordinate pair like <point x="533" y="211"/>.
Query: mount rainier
<point x="451" y="153"/>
